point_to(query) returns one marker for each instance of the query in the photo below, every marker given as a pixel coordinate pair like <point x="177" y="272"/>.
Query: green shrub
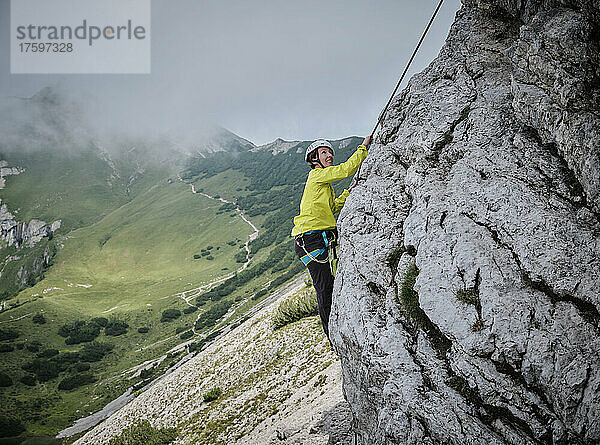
<point x="116" y="327"/>
<point x="186" y="335"/>
<point x="79" y="331"/>
<point x="8" y="334"/>
<point x="33" y="346"/>
<point x="211" y="316"/>
<point x="213" y="394"/>
<point x="82" y="367"/>
<point x="100" y="321"/>
<point x="408" y="296"/>
<point x="95" y="351"/>
<point x="143" y="330"/>
<point x="38" y="319"/>
<point x="47" y="353"/>
<point x="300" y="305"/>
<point x="240" y="257"/>
<point x="44" y="369"/>
<point x="6" y="348"/>
<point x="198" y="345"/>
<point x="5" y="380"/>
<point x="283" y="278"/>
<point x="28" y="379"/>
<point x="190" y="309"/>
<point x="170" y="314"/>
<point x="67" y="357"/>
<point x="67" y="329"/>
<point x="197" y="257"/>
<point x="259" y="294"/>
<point x="10" y="426"/>
<point x="144" y="433"/>
<point x="146" y="372"/>
<point x="77" y="380"/>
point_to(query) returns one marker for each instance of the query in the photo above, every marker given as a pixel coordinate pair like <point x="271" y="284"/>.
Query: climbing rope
<point x="380" y="119"/>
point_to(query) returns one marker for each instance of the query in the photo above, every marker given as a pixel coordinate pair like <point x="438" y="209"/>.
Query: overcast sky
<point x="298" y="70"/>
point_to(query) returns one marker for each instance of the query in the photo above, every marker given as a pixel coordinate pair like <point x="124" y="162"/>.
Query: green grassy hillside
<point x="76" y="187"/>
<point x="129" y="266"/>
<point x="133" y="270"/>
<point x="150" y="243"/>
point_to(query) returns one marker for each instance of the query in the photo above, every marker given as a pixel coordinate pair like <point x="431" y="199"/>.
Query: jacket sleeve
<point x="343" y="170"/>
<point x="338" y="202"/>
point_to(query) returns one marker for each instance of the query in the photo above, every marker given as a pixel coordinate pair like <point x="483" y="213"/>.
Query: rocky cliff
<point x="466" y="302"/>
<point x="20" y="233"/>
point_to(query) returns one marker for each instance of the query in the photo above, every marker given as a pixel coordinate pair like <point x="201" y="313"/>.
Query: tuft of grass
<point x="410" y="302"/>
<point x="409" y="297"/>
<point x="478" y="325"/>
<point x="375" y="288"/>
<point x="394" y="256"/>
<point x="213" y="394"/>
<point x="460" y="385"/>
<point x="300" y="305"/>
<point x="144" y="432"/>
<point x="468" y="296"/>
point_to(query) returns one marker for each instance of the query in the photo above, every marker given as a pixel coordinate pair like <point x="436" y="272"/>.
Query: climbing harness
<point x="330" y="247"/>
<point x="312" y="256"/>
<point x="381" y="116"/>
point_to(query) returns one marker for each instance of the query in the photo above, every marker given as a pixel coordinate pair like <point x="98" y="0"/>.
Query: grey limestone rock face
<point x="466" y="304"/>
<point x="20" y="233"/>
<point x="23" y="234"/>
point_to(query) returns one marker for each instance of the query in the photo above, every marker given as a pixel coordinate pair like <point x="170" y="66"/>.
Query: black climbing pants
<point x="320" y="273"/>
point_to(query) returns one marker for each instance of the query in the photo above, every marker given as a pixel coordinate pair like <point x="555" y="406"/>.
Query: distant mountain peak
<point x="277" y="146"/>
<point x="220" y="139"/>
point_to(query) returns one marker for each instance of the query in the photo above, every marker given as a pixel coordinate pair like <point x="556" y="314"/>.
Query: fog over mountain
<point x="262" y="69"/>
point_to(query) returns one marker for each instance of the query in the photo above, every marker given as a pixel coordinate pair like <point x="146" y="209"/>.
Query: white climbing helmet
<point x="314" y="146"/>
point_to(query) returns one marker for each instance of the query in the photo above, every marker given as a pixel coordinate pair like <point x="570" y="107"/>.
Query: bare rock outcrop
<point x="17" y="233"/>
<point x="466" y="305"/>
<point x="20" y="234"/>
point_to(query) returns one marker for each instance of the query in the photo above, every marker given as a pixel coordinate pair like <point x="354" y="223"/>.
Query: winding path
<point x="190" y="294"/>
<point x="187" y="295"/>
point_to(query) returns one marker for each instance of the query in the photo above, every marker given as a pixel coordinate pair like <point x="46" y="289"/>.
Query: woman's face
<point x="325" y="156"/>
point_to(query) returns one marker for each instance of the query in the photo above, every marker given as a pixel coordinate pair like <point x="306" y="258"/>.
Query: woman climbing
<point x="314" y="228"/>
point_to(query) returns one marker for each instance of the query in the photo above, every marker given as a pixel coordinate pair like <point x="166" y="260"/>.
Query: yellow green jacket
<point x="319" y="204"/>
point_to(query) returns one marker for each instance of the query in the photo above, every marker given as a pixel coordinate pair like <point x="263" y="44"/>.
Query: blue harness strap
<point x="315" y="253"/>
